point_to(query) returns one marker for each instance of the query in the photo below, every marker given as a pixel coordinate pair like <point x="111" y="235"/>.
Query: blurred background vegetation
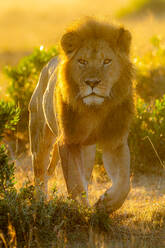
<point x="29" y="36"/>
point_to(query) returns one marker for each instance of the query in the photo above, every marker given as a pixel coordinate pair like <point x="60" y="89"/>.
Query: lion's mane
<point x="120" y="106"/>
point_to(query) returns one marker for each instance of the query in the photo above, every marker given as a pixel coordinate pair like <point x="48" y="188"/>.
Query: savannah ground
<point x="28" y="24"/>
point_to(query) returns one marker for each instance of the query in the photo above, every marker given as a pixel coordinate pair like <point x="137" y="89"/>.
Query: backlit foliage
<point x="23" y="79"/>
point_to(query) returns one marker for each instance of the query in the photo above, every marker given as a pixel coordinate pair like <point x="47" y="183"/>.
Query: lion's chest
<point x="80" y="129"/>
<point x="94" y="126"/>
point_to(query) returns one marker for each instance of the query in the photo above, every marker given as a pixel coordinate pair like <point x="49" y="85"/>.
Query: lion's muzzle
<point x="92" y="82"/>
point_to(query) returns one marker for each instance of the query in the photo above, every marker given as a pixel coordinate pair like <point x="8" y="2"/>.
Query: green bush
<point x="150" y="76"/>
<point x="23" y="79"/>
<point x="9" y="116"/>
<point x="7" y="170"/>
<point x="58" y="222"/>
<point x="147" y="136"/>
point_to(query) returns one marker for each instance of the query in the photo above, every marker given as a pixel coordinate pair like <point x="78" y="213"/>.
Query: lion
<point x="84" y="98"/>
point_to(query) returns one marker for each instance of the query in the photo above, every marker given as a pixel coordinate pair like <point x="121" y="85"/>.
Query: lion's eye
<point x="83" y="61"/>
<point x="107" y="61"/>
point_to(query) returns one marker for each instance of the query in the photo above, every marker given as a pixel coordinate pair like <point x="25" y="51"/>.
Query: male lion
<point x="84" y="99"/>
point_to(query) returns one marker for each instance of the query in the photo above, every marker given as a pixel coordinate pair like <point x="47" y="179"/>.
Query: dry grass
<point x="140" y="222"/>
<point x="27" y="24"/>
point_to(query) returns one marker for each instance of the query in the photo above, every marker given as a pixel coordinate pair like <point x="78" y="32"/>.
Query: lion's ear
<point x="124" y="40"/>
<point x="70" y="42"/>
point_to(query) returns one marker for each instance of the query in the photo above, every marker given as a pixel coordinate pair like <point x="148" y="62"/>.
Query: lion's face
<point x="95" y="68"/>
<point x="95" y="61"/>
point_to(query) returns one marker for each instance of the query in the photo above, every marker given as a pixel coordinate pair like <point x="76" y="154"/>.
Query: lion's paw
<point x="110" y="202"/>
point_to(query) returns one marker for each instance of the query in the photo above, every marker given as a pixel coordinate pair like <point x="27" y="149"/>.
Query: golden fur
<point x="92" y="105"/>
<point x="118" y="105"/>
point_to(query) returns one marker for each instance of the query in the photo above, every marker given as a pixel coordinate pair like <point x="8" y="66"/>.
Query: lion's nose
<point x="92" y="82"/>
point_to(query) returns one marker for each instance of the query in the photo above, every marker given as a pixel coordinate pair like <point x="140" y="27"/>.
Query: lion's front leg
<point x="117" y="164"/>
<point x="77" y="163"/>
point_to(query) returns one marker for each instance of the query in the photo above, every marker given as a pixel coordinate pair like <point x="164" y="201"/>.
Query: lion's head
<point x="95" y="62"/>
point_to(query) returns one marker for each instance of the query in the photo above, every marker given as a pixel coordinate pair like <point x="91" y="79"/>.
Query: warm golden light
<point x="30" y="31"/>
